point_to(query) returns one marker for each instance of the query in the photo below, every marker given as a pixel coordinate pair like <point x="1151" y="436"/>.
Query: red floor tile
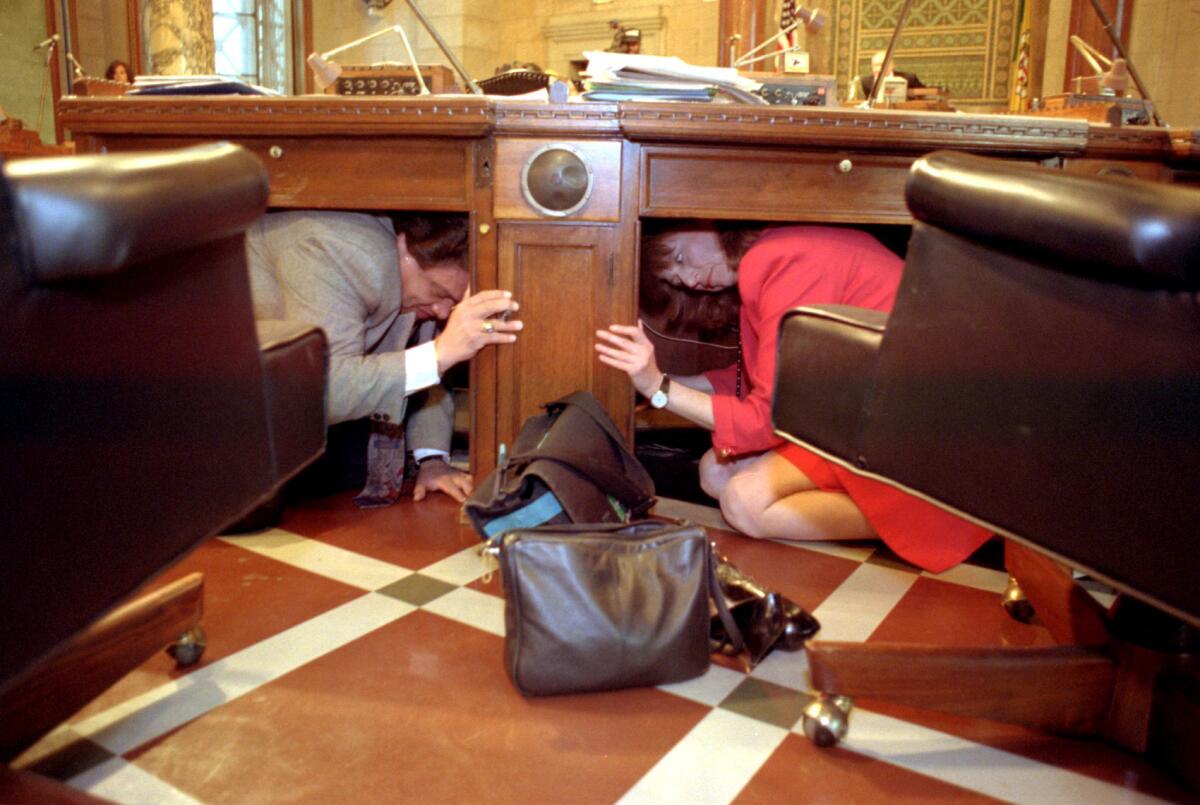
<point x="419" y="711"/>
<point x="947" y="614"/>
<point x="247" y="598"/>
<point x="800" y="772"/>
<point x="409" y="534"/>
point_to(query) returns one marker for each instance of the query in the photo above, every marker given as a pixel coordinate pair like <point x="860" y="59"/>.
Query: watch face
<point x="659" y="399"/>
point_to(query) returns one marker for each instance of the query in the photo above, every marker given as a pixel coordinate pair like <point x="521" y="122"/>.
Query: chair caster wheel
<point x="1015" y="603"/>
<point x="826" y="719"/>
<point x="189" y="648"/>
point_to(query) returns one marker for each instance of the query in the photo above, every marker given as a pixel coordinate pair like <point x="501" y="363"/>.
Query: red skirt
<point x="916" y="530"/>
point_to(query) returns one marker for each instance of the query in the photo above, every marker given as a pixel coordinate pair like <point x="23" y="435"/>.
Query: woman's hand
<point x="472" y="325"/>
<point x="627" y="348"/>
<point x="436" y="475"/>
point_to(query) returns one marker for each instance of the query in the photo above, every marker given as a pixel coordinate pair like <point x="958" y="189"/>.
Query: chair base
<point x="1092" y="685"/>
<point x="62" y="683"/>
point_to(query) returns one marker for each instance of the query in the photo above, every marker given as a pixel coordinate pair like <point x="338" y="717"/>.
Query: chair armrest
<point x="92" y="216"/>
<point x="295" y="362"/>
<point x="824" y="371"/>
<point x="1127" y="231"/>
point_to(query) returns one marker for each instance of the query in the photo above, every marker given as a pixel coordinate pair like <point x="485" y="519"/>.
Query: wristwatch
<point x="659" y="398"/>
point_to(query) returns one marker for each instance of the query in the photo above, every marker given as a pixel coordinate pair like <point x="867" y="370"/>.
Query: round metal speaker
<point x="556" y="180"/>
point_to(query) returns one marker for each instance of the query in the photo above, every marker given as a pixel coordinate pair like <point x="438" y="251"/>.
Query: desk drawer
<point x="376" y="173"/>
<point x="774" y="185"/>
<point x="1123" y="169"/>
<point x="366" y="172"/>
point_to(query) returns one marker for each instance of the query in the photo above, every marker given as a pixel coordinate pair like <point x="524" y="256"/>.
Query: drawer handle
<point x="1116" y="170"/>
<point x="845" y="166"/>
<point x="276" y="152"/>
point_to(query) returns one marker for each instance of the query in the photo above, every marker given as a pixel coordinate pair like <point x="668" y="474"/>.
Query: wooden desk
<point x="577" y="273"/>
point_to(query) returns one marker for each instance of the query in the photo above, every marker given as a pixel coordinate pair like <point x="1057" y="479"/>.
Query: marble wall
<point x="485" y="34"/>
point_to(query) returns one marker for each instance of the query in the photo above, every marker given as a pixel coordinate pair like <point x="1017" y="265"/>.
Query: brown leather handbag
<point x="601" y="607"/>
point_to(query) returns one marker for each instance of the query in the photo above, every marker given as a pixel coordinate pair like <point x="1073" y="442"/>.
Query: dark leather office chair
<point x="1039" y="374"/>
<point x="138" y="414"/>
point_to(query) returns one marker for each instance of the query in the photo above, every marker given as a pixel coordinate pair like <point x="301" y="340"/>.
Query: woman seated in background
<point x="766" y="487"/>
<point x="119" y="71"/>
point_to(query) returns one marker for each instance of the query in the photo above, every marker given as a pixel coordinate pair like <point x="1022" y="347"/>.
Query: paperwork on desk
<point x="635" y="77"/>
<point x="195" y="85"/>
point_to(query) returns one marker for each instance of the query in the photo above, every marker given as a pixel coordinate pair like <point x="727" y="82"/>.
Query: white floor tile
<point x="711" y="764"/>
<point x="143" y="718"/>
<point x="856" y="608"/>
<point x="122" y="782"/>
<point x="989" y="771"/>
<point x="471" y="607"/>
<point x="981" y="578"/>
<point x="463" y="567"/>
<point x="856" y="551"/>
<point x="786" y="668"/>
<point x="321" y="558"/>
<point x="711" y="688"/>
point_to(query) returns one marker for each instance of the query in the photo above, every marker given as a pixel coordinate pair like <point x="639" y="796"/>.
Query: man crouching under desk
<point x="393" y="299"/>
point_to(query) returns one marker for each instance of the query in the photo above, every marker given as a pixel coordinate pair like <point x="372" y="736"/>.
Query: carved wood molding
<point x="1130" y="142"/>
<point x="515" y="117"/>
<point x="701" y="124"/>
<point x="867" y="130"/>
<point x="458" y="117"/>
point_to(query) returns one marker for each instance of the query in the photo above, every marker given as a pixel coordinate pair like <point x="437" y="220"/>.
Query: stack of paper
<point x="195" y="85"/>
<point x="630" y="77"/>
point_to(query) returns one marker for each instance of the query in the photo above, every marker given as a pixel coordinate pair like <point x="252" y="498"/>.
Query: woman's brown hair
<point x="705" y="314"/>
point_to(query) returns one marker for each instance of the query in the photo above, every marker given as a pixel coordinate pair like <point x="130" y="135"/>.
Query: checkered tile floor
<point x="356" y="657"/>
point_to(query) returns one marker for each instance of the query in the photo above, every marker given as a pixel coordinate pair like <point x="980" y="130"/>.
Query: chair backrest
<point x="132" y="413"/>
<point x="1040" y="371"/>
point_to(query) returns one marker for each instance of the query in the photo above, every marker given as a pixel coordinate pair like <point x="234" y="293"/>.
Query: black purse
<point x="593" y="607"/>
<point x="765" y="620"/>
<point x="568" y="465"/>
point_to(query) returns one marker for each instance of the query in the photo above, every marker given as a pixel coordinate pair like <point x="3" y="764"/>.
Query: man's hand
<point x="436" y="475"/>
<point x="473" y="324"/>
<point x="628" y="349"/>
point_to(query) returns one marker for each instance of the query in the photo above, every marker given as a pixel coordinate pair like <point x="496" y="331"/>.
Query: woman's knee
<point x="713" y="475"/>
<point x="742" y="506"/>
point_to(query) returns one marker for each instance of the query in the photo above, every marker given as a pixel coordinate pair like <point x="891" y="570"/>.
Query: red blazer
<point x="785" y="268"/>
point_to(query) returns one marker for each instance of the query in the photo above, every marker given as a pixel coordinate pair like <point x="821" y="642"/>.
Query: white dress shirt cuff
<point x="420" y="367"/>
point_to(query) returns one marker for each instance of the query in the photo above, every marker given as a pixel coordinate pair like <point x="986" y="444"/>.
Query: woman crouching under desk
<point x="767" y="487"/>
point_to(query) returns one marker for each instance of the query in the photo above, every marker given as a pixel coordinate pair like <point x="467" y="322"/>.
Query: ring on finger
<point x="488" y="326"/>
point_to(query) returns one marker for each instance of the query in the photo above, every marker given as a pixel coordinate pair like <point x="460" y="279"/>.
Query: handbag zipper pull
<point x="489" y="555"/>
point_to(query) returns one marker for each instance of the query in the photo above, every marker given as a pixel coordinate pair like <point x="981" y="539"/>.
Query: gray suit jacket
<point x="340" y="271"/>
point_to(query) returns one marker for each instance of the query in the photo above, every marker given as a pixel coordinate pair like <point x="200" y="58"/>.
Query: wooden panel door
<point x="569" y="282"/>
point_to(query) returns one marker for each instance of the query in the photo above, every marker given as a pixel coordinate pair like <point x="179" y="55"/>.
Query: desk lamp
<point x="1113" y="74"/>
<point x="813" y="21"/>
<point x="326" y="72"/>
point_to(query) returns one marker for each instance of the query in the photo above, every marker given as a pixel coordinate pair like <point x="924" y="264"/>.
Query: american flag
<point x="787" y="18"/>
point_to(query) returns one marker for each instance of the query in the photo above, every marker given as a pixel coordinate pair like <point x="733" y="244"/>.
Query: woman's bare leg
<point x="714" y="474"/>
<point x="770" y="498"/>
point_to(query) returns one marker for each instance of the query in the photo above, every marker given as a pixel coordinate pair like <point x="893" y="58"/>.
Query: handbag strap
<point x="714" y="592"/>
